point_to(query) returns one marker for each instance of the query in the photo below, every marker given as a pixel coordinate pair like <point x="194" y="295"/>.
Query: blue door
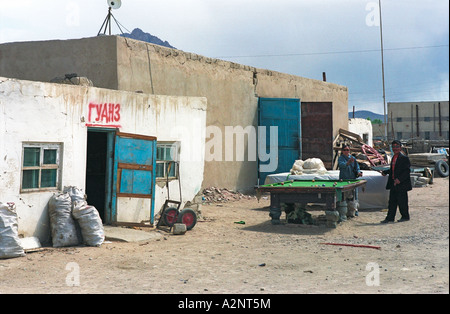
<point x="284" y="114"/>
<point x="134" y="164"/>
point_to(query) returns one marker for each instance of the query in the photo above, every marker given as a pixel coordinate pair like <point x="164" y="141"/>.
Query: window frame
<point x="175" y="161"/>
<point x="43" y="146"/>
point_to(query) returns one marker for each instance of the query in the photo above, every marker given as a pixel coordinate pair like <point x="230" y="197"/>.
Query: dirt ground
<point x="220" y="256"/>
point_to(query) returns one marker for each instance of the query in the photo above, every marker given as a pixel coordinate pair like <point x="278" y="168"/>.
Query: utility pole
<point x="382" y="72"/>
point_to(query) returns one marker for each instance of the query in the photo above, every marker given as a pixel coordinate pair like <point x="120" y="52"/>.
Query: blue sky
<point x="305" y="38"/>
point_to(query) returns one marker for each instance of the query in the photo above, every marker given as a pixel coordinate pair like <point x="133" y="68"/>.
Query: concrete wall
<point x="232" y="89"/>
<point x="404" y="122"/>
<point x="44" y="112"/>
<point x="94" y="58"/>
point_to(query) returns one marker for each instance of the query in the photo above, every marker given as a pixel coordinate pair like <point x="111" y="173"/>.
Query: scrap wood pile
<point x="366" y="156"/>
<point x="216" y="195"/>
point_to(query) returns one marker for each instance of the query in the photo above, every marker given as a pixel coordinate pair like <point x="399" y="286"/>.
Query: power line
<point x="331" y="52"/>
<point x="424" y="84"/>
<point x="398" y="95"/>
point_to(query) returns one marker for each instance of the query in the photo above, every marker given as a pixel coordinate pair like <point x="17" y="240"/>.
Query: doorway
<point x="317" y="132"/>
<point x="99" y="170"/>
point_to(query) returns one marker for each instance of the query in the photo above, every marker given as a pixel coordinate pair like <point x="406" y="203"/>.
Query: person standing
<point x="349" y="170"/>
<point x="348" y="166"/>
<point x="398" y="184"/>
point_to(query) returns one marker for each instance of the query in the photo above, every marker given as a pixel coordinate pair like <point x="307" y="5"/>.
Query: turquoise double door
<point x="284" y="115"/>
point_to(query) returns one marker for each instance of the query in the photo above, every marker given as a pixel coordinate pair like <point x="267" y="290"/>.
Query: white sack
<point x="314" y="165"/>
<point x="76" y="195"/>
<point x="9" y="236"/>
<point x="297" y="168"/>
<point x="62" y="224"/>
<point x="90" y="224"/>
<point x="87" y="217"/>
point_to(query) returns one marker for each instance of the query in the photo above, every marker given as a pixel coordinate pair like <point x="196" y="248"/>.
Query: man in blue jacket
<point x="349" y="170"/>
<point x="348" y="166"/>
<point x="399" y="183"/>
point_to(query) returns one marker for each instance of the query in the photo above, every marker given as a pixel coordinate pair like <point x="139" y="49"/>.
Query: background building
<point x="426" y="120"/>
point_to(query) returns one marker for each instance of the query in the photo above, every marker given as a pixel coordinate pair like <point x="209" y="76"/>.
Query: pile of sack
<point x="309" y="166"/>
<point x="73" y="221"/>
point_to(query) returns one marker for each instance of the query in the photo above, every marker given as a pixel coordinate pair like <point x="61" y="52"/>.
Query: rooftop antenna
<point x="112" y="4"/>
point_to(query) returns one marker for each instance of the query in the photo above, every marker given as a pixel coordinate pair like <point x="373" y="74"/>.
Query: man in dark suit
<point x="399" y="183"/>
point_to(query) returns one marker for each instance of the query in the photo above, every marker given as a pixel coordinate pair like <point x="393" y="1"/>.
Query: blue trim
<point x="289" y="139"/>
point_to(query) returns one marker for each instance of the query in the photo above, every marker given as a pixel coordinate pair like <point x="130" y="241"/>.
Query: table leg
<point x="342" y="209"/>
<point x="331" y="202"/>
<point x="275" y="208"/>
<point x="331" y="213"/>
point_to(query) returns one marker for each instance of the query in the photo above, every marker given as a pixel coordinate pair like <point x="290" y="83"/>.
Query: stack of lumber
<point x="366" y="156"/>
<point x="425" y="159"/>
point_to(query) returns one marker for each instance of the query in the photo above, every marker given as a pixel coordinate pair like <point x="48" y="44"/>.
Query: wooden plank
<point x="135" y="167"/>
<point x="349" y="134"/>
<point x="132" y="224"/>
<point x="136" y="136"/>
<point x="134" y="195"/>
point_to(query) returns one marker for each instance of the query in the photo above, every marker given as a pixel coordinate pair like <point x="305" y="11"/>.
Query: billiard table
<point x="307" y="191"/>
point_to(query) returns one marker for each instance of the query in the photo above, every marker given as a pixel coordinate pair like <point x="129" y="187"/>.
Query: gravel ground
<point x="220" y="256"/>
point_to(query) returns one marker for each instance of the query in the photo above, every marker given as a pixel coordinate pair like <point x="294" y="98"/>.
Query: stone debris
<point x="179" y="229"/>
<point x="217" y="195"/>
<point x="72" y="79"/>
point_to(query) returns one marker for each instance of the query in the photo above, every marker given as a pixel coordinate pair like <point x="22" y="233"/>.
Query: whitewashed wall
<point x="361" y="126"/>
<point x="44" y="112"/>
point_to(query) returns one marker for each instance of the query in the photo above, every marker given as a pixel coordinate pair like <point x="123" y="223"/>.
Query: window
<point x="366" y="138"/>
<point x="40" y="166"/>
<point x="166" y="160"/>
<point x="399" y="119"/>
<point x="428" y="119"/>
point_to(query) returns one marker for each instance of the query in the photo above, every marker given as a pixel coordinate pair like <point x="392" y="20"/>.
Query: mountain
<point x="138" y="34"/>
<point x="364" y="114"/>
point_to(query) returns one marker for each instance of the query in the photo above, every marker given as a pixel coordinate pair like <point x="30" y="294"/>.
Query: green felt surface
<point x="311" y="183"/>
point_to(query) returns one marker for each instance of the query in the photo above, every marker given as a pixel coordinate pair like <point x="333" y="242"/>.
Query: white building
<point x="54" y="135"/>
<point x="363" y="128"/>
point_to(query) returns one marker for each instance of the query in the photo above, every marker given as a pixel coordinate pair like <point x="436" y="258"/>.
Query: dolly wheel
<point x="188" y="217"/>
<point x="170" y="216"/>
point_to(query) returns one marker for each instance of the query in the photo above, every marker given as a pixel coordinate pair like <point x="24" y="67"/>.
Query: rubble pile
<point x="216" y="195"/>
<point x="366" y="156"/>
